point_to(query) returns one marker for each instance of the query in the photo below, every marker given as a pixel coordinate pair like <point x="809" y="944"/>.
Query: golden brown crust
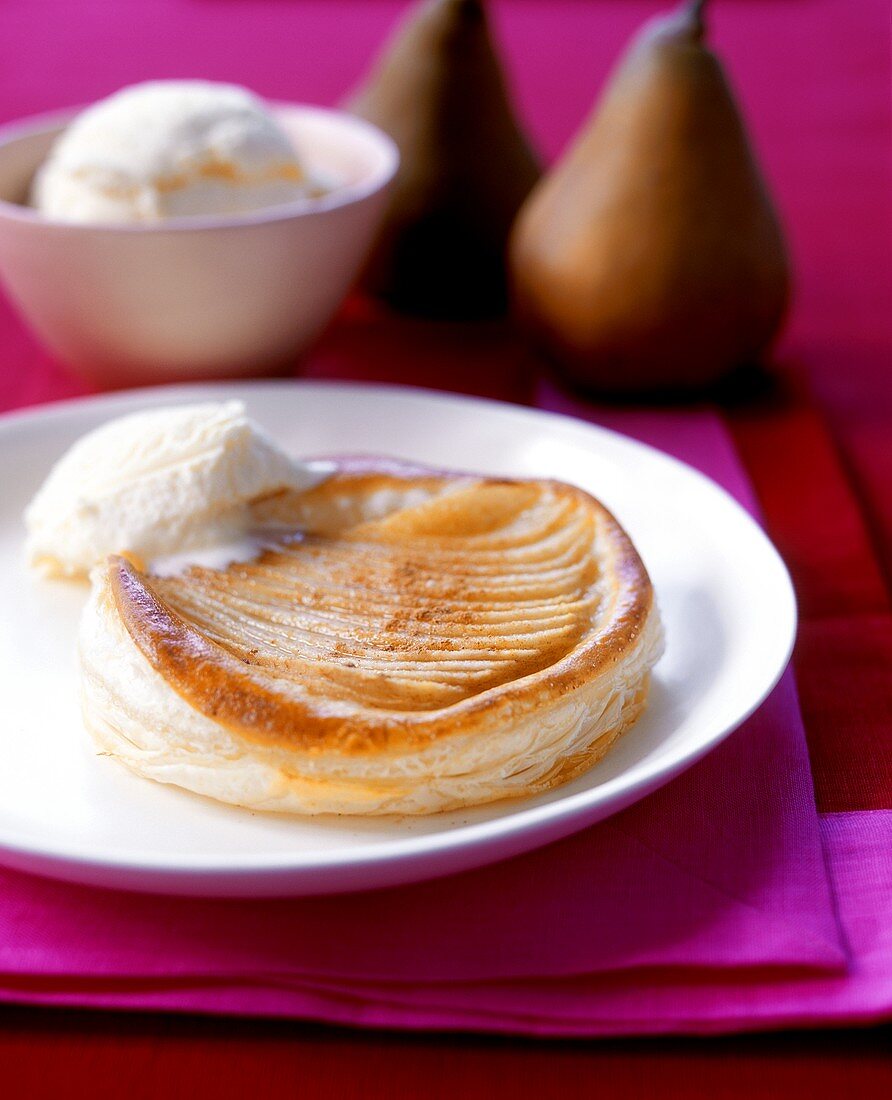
<point x="321" y="704"/>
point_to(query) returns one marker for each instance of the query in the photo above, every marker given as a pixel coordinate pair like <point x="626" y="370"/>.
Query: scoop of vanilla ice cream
<point x="169" y="149"/>
<point x="154" y="484"/>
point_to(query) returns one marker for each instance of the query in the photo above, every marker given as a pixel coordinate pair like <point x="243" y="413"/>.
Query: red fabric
<point x="813" y="77"/>
<point x="371" y="344"/>
<point x="845" y="691"/>
<point x="97" y="1056"/>
<point x="814" y="515"/>
<point x="844" y="654"/>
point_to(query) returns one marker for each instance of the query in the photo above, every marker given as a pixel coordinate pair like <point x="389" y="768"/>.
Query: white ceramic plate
<point x="724" y="593"/>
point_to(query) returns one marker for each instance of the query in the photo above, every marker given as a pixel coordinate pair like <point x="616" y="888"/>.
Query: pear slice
<point x="651" y="257"/>
<point x="439" y="91"/>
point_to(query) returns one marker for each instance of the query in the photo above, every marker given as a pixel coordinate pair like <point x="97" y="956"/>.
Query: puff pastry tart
<point x="408" y="642"/>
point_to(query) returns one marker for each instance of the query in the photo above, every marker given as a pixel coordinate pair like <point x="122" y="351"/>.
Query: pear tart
<point x="404" y="642"/>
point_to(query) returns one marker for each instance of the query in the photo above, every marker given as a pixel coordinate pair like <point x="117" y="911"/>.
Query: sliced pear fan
<point x="406" y="644"/>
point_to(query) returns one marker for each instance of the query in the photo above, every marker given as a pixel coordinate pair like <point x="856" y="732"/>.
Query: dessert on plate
<point x="398" y="640"/>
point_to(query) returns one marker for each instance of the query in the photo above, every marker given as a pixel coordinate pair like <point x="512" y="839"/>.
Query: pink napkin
<point x="706" y="906"/>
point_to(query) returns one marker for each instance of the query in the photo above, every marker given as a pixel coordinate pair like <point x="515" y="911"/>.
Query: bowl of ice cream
<point x="194" y="233"/>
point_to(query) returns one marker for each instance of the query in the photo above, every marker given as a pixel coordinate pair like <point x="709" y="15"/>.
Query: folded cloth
<point x="705" y="907"/>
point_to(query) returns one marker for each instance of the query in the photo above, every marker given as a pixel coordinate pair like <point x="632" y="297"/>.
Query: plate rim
<point x="562" y="815"/>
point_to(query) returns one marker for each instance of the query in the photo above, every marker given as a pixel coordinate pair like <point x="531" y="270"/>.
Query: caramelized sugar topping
<point x="457" y="588"/>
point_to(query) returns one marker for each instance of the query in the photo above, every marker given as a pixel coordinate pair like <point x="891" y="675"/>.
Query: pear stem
<point x="695" y="11"/>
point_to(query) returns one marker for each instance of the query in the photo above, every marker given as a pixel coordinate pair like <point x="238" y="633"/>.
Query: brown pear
<point x="439" y="91"/>
<point x="650" y="257"/>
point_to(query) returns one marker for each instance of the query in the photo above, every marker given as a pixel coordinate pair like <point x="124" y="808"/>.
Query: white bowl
<point x="194" y="297"/>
